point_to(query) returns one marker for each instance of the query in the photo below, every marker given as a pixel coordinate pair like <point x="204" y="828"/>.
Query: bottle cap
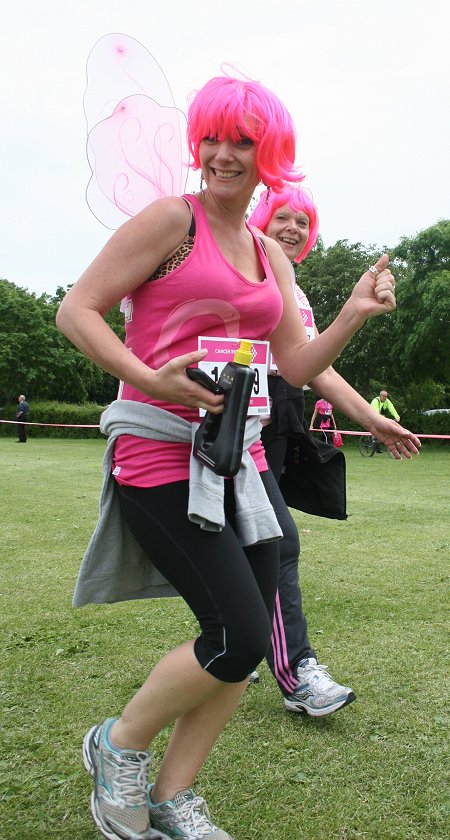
<point x="243" y="356"/>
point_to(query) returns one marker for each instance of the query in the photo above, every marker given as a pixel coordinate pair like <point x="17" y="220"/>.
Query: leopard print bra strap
<point x="180" y="255"/>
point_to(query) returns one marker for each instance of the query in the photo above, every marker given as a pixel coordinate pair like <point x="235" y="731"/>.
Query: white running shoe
<point x="186" y="817"/>
<point x="119" y="800"/>
<point x="317" y="694"/>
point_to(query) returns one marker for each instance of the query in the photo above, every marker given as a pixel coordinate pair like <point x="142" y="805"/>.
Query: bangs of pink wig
<point x="298" y="200"/>
<point x="227" y="107"/>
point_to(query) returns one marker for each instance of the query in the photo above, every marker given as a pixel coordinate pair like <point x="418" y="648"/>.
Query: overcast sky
<point x="366" y="83"/>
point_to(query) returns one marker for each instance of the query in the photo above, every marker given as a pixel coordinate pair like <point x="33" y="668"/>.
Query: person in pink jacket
<point x="322" y="418"/>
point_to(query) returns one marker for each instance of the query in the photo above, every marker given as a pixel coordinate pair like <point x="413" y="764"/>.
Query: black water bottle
<point x="218" y="442"/>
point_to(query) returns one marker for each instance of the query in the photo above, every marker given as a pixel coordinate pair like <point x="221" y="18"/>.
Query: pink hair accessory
<point x="298" y="199"/>
<point x="236" y="108"/>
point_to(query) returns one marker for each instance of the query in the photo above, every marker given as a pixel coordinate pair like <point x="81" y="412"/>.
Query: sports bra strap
<point x="191" y="231"/>
<point x="262" y="245"/>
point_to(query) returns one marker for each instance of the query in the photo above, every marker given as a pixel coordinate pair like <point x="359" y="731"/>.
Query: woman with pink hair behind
<point x="289" y="205"/>
<point x="290" y="218"/>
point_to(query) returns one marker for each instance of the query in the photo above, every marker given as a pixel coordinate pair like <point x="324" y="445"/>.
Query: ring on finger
<point x="373" y="270"/>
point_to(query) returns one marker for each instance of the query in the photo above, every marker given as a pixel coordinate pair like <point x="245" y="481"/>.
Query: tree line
<point x="407" y="352"/>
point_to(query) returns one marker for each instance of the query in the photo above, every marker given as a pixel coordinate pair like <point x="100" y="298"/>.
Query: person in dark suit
<point x="23" y="410"/>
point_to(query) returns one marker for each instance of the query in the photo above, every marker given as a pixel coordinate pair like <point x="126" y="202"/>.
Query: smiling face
<point x="229" y="166"/>
<point x="228" y="107"/>
<point x="290" y="229"/>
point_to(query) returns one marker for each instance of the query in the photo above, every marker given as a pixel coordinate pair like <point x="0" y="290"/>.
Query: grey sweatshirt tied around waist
<point x="115" y="568"/>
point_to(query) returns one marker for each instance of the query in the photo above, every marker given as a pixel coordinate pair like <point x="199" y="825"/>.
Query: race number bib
<point x="308" y="321"/>
<point x="222" y="350"/>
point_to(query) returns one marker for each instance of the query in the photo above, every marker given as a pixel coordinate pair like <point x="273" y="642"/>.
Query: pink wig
<point x="227" y="107"/>
<point x="298" y="200"/>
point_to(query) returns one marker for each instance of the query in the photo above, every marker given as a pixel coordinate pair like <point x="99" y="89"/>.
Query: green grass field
<point x="375" y="592"/>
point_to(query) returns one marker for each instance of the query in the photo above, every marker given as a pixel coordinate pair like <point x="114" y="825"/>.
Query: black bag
<point x="314" y="478"/>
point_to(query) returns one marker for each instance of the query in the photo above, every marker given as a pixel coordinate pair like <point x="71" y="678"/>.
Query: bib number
<point x="222" y="350"/>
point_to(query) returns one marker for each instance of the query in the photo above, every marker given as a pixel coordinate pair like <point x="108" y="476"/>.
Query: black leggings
<point x="230" y="589"/>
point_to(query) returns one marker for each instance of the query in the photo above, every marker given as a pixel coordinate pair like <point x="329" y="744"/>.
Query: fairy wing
<point x="136" y="136"/>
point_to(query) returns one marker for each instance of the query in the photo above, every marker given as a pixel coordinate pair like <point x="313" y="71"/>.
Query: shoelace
<point x="195" y="812"/>
<point x="321" y="679"/>
<point x="130" y="782"/>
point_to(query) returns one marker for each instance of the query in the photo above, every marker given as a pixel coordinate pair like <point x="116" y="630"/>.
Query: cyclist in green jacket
<point x="384" y="406"/>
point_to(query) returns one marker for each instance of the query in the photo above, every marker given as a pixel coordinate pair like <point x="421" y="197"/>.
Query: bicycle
<point x="369" y="445"/>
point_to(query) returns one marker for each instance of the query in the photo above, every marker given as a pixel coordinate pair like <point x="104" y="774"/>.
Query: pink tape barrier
<point x="96" y="426"/>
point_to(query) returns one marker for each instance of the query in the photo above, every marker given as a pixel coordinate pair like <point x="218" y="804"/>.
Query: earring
<point x="267" y="195"/>
<point x="202" y="191"/>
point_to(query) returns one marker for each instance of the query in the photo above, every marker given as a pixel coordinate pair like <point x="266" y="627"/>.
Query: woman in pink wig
<point x="190" y="266"/>
<point x="290" y="218"/>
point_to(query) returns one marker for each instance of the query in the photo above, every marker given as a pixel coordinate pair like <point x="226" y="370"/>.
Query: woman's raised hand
<point x="374" y="293"/>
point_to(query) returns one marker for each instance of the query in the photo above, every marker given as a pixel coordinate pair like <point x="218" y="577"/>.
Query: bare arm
<point x="337" y="390"/>
<point x="128" y="260"/>
<point x="298" y="360"/>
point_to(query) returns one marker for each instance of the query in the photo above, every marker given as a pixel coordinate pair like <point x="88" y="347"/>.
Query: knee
<point x="252" y="648"/>
<point x="244" y="648"/>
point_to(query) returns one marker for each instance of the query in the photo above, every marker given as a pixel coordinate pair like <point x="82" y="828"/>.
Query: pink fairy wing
<point x="136" y="144"/>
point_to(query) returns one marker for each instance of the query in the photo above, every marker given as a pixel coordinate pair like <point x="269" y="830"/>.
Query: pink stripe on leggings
<point x="282" y="669"/>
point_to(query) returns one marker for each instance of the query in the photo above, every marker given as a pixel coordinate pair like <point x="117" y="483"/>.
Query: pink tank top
<point x="205" y="295"/>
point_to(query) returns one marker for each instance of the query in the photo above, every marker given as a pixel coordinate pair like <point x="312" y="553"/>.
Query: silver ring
<point x="374" y="270"/>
